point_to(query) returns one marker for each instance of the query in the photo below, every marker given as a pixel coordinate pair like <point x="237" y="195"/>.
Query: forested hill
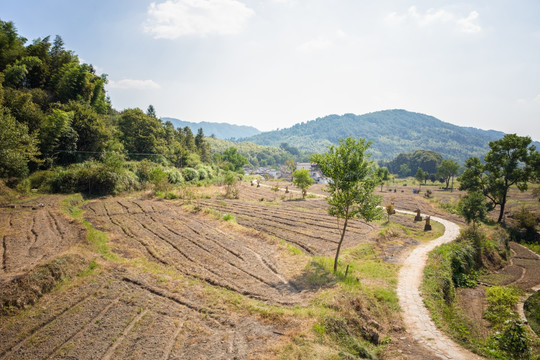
<point x="392" y="132"/>
<point x="219" y="130"/>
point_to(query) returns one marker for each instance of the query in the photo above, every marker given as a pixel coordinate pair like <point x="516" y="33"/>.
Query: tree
<point x="447" y="170"/>
<point x="17" y="147"/>
<point x="421" y="176"/>
<point x="404" y="170"/>
<point x="352" y="183"/>
<point x="302" y="180"/>
<point x="232" y="156"/>
<point x="473" y="208"/>
<point x="151" y="111"/>
<point x="510" y="161"/>
<point x="390" y="210"/>
<point x="141" y="133"/>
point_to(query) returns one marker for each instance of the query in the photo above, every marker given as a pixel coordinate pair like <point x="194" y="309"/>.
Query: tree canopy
<point x="302" y="180"/>
<point x="353" y="180"/>
<point x="510" y="162"/>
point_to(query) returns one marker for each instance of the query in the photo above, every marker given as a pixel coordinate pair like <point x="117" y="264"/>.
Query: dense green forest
<point x="257" y="155"/>
<point x="426" y="160"/>
<point x="57" y="124"/>
<point x="218" y="130"/>
<point x="392" y="132"/>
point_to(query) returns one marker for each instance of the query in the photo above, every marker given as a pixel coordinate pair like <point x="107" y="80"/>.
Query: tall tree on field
<point x="421" y="176"/>
<point x="302" y="180"/>
<point x="510" y="161"/>
<point x="353" y="180"/>
<point x="447" y="170"/>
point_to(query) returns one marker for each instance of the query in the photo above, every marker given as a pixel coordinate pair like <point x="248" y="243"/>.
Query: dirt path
<point x="415" y="315"/>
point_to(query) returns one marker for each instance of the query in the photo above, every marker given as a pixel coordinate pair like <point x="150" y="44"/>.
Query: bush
<point x="92" y="178"/>
<point x="39" y="179"/>
<point x="208" y="169"/>
<point x="190" y="174"/>
<point x="174" y="175"/>
<point x="513" y="340"/>
<point x="501" y="304"/>
<point x="203" y="174"/>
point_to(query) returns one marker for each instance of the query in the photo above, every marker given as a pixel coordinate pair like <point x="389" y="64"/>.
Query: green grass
<point x="533" y="247"/>
<point x="532" y="312"/>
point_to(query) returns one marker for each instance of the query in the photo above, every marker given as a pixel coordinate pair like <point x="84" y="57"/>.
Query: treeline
<point x="423" y="165"/>
<point x="55" y="118"/>
<point x="257" y="155"/>
<point x="407" y="164"/>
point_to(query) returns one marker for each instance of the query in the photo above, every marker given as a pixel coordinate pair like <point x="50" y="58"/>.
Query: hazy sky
<point x="274" y="63"/>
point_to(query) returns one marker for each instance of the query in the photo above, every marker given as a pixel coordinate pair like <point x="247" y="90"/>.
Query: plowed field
<point x="165" y="233"/>
<point x="32" y="233"/>
<point x="312" y="230"/>
<point x="122" y="316"/>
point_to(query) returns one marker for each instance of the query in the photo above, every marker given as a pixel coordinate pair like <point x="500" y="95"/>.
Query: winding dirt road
<point x="415" y="315"/>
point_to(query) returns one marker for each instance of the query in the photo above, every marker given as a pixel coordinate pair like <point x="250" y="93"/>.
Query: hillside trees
<point x="54" y="111"/>
<point x="353" y="181"/>
<point x="17" y="146"/>
<point x="510" y="161"/>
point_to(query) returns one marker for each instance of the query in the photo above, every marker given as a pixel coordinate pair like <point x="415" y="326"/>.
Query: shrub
<point x="174" y="176"/>
<point x="190" y="174"/>
<point x="39" y="179"/>
<point x="203" y="174"/>
<point x="501" y="303"/>
<point x="513" y="340"/>
<point x="208" y="169"/>
<point x="92" y="178"/>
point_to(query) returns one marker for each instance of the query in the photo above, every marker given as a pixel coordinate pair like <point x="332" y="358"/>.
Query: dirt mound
<point x="165" y="233"/>
<point x="26" y="289"/>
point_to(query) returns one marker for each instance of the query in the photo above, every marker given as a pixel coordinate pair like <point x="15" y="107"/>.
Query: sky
<point x="273" y="63"/>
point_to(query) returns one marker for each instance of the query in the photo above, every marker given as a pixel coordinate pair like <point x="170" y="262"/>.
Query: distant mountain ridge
<point x="220" y="130"/>
<point x="391" y="131"/>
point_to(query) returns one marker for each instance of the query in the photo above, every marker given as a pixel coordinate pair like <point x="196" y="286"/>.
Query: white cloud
<point x="322" y="42"/>
<point x="133" y="84"/>
<point x="468" y="24"/>
<point x="174" y="18"/>
<point x="317" y="44"/>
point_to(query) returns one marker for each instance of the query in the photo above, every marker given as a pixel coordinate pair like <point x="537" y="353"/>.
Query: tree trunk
<point x="503" y="203"/>
<point x="341" y="240"/>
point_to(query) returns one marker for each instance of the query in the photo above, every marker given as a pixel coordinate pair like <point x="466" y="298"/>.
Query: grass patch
<point x="532" y="312"/>
<point x="533" y="247"/>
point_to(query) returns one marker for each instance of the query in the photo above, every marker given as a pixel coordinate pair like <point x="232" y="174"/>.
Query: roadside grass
<point x="451" y="267"/>
<point x="396" y="226"/>
<point x="337" y="322"/>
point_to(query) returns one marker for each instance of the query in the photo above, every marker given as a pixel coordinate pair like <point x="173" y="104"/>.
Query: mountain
<point x="391" y="131"/>
<point x="219" y="130"/>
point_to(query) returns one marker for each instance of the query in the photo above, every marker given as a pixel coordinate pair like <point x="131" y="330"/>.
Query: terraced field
<point x="165" y="233"/>
<point x="32" y="233"/>
<point x="312" y="229"/>
<point x="122" y="316"/>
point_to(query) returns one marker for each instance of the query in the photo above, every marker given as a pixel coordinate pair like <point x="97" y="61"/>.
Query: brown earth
<point x="121" y="315"/>
<point x="167" y="308"/>
<point x="33" y="232"/>
<point x="201" y="248"/>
